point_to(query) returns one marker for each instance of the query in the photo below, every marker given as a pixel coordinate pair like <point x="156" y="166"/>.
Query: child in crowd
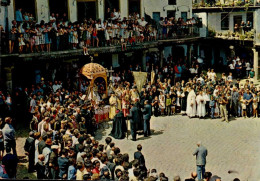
<point x="230" y="78"/>
<point x="168" y="105"/>
<point x="21" y="43"/>
<point x="243" y="106"/>
<point x="123" y="43"/>
<point x="255" y="105"/>
<point x="173" y="105"/>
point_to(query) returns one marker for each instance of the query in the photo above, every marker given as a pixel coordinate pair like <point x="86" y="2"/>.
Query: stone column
<point x="101" y="9"/>
<point x="161" y="56"/>
<point x="256" y="60"/>
<point x="144" y="60"/>
<point x="43" y="11"/>
<point x="189" y="53"/>
<point x="123" y="6"/>
<point x="72" y="10"/>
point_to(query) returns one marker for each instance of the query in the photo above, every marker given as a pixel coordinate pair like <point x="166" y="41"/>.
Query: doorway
<point x="58" y="7"/>
<point x="25" y="8"/>
<point x="87" y="10"/>
<point x="237" y="20"/>
<point x="112" y="4"/>
<point x="156" y="16"/>
<point x="134" y="7"/>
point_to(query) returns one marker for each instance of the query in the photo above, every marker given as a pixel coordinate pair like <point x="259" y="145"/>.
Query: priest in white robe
<point x="201" y="105"/>
<point x="191" y="103"/>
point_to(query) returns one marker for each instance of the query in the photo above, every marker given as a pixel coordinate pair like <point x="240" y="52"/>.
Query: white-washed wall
<point x="162" y="6"/>
<point x="43" y="12"/>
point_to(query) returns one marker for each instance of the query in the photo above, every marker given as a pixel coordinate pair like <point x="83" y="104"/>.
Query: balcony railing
<point x="226" y="4"/>
<point x="229" y="35"/>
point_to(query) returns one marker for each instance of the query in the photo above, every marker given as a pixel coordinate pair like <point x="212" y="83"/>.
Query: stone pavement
<point x="233" y="146"/>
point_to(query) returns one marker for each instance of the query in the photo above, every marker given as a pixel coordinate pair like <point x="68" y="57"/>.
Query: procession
<point x="129" y="90"/>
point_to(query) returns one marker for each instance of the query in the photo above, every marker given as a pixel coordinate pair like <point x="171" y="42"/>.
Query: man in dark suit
<point x="234" y="103"/>
<point x="147" y="113"/>
<point x="139" y="156"/>
<point x="10" y="162"/>
<point x="29" y="148"/>
<point x="134" y="120"/>
<point x="201" y="153"/>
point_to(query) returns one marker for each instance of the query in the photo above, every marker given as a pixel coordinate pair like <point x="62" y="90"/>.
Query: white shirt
<point x="231" y="66"/>
<point x="248" y="66"/>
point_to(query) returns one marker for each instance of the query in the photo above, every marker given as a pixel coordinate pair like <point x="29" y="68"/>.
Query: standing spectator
<point x="40" y="167"/>
<point x="63" y="163"/>
<point x="139" y="156"/>
<point x="19" y="16"/>
<point x="29" y="148"/>
<point x="234" y="103"/>
<point x="10" y="162"/>
<point x="53" y="163"/>
<point x="9" y="135"/>
<point x="201" y="153"/>
<point x="247" y="96"/>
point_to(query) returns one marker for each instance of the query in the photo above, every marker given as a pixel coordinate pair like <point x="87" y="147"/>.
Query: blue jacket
<point x="147" y="111"/>
<point x="19" y="16"/>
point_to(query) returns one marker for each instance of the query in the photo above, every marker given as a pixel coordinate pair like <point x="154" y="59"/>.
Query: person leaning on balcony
<point x="236" y="28"/>
<point x="242" y="27"/>
<point x="248" y="26"/>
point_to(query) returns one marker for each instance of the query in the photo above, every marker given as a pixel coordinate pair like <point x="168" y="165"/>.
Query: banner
<point x="140" y="79"/>
<point x="152" y="77"/>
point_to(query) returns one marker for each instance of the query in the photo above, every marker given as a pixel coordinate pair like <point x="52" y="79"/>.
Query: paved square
<point x="233" y="146"/>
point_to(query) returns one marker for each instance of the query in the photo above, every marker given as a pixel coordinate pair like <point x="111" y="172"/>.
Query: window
<point x="224" y="21"/>
<point x="172" y="2"/>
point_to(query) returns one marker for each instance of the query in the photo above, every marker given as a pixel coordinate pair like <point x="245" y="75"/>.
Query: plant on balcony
<point x="239" y="3"/>
<point x="218" y="4"/>
<point x="202" y="4"/>
<point x="207" y="5"/>
<point x="250" y="35"/>
<point x="211" y="32"/>
<point x="247" y="6"/>
<point x="195" y="5"/>
<point x="229" y="34"/>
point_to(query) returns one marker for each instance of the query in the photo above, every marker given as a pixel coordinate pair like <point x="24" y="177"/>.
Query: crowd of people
<point x="27" y="36"/>
<point x="63" y="123"/>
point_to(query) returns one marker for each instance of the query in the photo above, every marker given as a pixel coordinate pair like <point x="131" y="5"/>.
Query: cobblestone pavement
<point x="233" y="146"/>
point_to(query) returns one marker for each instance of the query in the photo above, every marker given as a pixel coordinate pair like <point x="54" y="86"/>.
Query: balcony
<point x="175" y="39"/>
<point x="240" y="36"/>
<point x="227" y="5"/>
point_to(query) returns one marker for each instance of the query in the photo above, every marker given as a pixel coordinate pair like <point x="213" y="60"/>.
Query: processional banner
<point x="140" y="79"/>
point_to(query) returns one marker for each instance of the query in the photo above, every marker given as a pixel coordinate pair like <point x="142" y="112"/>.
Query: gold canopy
<point x="92" y="71"/>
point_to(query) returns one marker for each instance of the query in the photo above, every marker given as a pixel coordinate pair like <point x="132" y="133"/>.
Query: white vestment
<point x="191" y="99"/>
<point x="201" y="109"/>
